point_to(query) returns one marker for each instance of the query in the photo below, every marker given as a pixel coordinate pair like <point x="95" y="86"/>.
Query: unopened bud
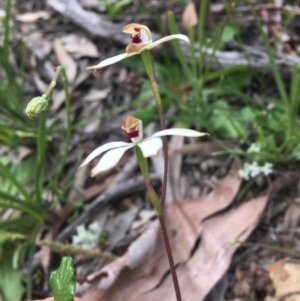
<point x="37" y="106"/>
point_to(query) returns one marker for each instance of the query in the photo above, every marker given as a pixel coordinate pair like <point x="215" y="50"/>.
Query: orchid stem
<point x="148" y="62"/>
<point x="143" y="164"/>
<point x="170" y="256"/>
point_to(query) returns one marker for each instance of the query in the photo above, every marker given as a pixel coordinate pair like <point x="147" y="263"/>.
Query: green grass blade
<point x="10" y="201"/>
<point x="178" y="49"/>
<point x="8" y="175"/>
<point x="275" y="69"/>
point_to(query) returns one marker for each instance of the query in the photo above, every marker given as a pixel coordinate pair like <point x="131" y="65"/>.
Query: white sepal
<point x="168" y="38"/>
<point x="111" y="61"/>
<point x="103" y="148"/>
<point x="150" y="147"/>
<point x="178" y="132"/>
<point x="110" y="159"/>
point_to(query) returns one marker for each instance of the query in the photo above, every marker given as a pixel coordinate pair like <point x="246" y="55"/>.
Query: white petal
<point x="110" y="159"/>
<point x="111" y="61"/>
<point x="102" y="149"/>
<point x="150" y="147"/>
<point x="178" y="132"/>
<point x="171" y="37"/>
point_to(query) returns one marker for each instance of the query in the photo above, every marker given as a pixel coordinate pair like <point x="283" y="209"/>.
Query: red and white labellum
<point x="133" y="128"/>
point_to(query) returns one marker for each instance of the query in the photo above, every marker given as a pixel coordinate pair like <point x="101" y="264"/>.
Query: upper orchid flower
<point x="134" y="131"/>
<point x="140" y="41"/>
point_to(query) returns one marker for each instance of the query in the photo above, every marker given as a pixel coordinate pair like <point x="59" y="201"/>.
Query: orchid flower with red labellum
<point x="140" y="40"/>
<point x="134" y="130"/>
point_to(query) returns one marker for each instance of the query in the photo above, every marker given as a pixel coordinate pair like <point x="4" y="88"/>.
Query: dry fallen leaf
<point x="33" y="16"/>
<point x="138" y="252"/>
<point x="96" y="95"/>
<point x="285" y="275"/>
<point x="203" y="149"/>
<point x="212" y="259"/>
<point x="65" y="60"/>
<point x="79" y="46"/>
<point x="38" y="45"/>
<point x="18" y="154"/>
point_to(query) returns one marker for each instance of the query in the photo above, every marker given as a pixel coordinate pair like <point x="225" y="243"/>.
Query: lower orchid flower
<point x="140" y="41"/>
<point x="134" y="131"/>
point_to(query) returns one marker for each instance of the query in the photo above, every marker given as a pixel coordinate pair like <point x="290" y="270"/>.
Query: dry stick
<point x="148" y="62"/>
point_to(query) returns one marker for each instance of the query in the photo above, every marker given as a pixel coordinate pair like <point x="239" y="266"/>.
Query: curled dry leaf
<point x="139" y="251"/>
<point x="143" y="247"/>
<point x="33" y="16"/>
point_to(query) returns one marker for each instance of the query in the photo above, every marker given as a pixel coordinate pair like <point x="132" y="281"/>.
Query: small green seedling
<point x="62" y="281"/>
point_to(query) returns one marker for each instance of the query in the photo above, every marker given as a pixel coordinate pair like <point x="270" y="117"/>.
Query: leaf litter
<point x="198" y="270"/>
<point x="191" y="222"/>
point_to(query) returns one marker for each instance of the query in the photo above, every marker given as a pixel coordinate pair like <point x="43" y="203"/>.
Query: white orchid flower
<point x="140" y="40"/>
<point x="134" y="130"/>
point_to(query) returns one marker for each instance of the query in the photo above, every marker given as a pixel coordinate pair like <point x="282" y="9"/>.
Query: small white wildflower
<point x="244" y="174"/>
<point x="254" y="148"/>
<point x="94" y="227"/>
<point x="270" y="106"/>
<point x="267" y="169"/>
<point x="253" y="170"/>
<point x="87" y="238"/>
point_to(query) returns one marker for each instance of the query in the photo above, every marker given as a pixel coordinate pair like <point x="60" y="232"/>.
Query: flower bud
<point x="37" y="106"/>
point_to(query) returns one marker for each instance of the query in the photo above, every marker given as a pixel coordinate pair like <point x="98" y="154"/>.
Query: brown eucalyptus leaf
<point x="65" y="60"/>
<point x="285" y="275"/>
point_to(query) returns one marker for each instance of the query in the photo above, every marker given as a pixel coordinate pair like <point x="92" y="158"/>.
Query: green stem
<point x="148" y="62"/>
<point x="76" y="250"/>
<point x="41" y="149"/>
<point x="6" y="30"/>
<point x="270" y="247"/>
<point x="143" y="164"/>
<point x="42" y="130"/>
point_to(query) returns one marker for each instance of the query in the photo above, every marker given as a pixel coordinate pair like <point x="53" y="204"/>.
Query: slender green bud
<point x="37" y="106"/>
<point x="233" y="241"/>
